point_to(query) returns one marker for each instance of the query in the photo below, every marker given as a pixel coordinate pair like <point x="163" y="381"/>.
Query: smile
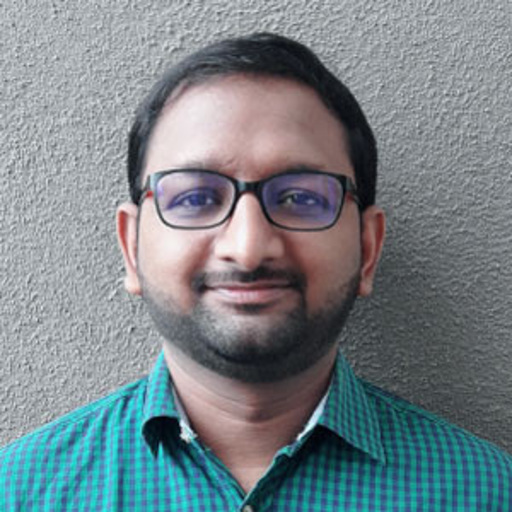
<point x="255" y="293"/>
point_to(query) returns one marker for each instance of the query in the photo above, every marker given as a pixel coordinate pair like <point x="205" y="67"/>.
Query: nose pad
<point x="248" y="239"/>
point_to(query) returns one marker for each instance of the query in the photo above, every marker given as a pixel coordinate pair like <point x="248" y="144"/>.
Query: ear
<point x="126" y="217"/>
<point x="373" y="225"/>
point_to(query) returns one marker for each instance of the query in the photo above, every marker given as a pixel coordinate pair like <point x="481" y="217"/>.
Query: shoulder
<point x="65" y="442"/>
<point x="90" y="413"/>
<point x="406" y="428"/>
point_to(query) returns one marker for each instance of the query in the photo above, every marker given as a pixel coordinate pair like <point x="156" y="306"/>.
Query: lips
<point x="262" y="277"/>
<point x="257" y="289"/>
<point x="259" y="292"/>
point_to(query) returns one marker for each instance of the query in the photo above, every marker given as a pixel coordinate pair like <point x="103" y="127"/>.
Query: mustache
<point x="204" y="280"/>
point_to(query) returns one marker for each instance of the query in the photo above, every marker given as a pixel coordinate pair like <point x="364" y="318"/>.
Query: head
<point x="246" y="298"/>
<point x="267" y="55"/>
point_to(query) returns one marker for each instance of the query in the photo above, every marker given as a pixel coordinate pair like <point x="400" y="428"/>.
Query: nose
<point x="247" y="238"/>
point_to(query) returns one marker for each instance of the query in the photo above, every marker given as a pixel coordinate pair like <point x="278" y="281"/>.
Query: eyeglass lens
<point x="302" y="200"/>
<point x="196" y="199"/>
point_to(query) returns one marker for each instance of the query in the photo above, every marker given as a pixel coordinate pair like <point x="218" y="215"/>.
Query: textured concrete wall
<point x="434" y="78"/>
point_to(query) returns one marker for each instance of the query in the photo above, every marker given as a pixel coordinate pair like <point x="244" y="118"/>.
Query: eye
<point x="301" y="198"/>
<point x="195" y="199"/>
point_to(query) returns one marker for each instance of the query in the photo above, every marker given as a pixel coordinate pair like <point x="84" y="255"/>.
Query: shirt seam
<point x="82" y="413"/>
<point x="402" y="406"/>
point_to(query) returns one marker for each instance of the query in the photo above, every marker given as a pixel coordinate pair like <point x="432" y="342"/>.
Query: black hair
<point x="268" y="55"/>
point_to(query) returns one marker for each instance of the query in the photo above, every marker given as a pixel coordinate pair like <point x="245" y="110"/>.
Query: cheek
<point x="168" y="258"/>
<point x="329" y="265"/>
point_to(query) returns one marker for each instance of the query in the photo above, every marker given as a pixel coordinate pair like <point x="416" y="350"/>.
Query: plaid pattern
<point x="369" y="451"/>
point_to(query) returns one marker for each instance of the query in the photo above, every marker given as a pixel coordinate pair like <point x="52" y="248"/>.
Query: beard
<point x="249" y="347"/>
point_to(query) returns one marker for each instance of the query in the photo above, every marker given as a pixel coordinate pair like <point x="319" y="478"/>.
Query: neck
<point x="252" y="420"/>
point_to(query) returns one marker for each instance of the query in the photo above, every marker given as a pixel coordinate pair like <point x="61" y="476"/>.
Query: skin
<point x="248" y="128"/>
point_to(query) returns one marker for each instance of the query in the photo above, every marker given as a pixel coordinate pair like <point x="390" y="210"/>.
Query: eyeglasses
<point x="304" y="200"/>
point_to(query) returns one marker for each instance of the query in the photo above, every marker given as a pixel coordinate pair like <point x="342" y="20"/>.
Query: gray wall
<point x="434" y="78"/>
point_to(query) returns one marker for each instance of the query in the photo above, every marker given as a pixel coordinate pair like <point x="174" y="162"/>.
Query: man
<point x="251" y="230"/>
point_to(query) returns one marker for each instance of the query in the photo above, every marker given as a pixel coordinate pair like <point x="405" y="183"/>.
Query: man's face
<point x="270" y="302"/>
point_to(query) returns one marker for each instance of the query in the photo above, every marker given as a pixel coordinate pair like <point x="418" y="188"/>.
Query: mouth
<point x="255" y="291"/>
<point x="258" y="293"/>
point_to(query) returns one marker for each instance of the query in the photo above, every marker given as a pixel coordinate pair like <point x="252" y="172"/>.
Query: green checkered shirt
<point x="369" y="451"/>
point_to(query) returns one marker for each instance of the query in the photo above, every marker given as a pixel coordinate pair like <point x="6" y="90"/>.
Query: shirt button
<point x="248" y="508"/>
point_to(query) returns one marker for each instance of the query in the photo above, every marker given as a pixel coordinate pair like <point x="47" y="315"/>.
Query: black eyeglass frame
<point x="254" y="187"/>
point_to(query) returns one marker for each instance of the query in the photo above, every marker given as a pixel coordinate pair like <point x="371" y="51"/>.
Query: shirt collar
<point x="347" y="410"/>
<point x="159" y="405"/>
<point x="351" y="414"/>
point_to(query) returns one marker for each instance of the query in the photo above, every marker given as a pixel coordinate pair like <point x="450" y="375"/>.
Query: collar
<point x="350" y="412"/>
<point x="159" y="410"/>
<point x="346" y="410"/>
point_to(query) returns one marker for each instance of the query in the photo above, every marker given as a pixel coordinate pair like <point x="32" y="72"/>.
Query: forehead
<point x="249" y="127"/>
